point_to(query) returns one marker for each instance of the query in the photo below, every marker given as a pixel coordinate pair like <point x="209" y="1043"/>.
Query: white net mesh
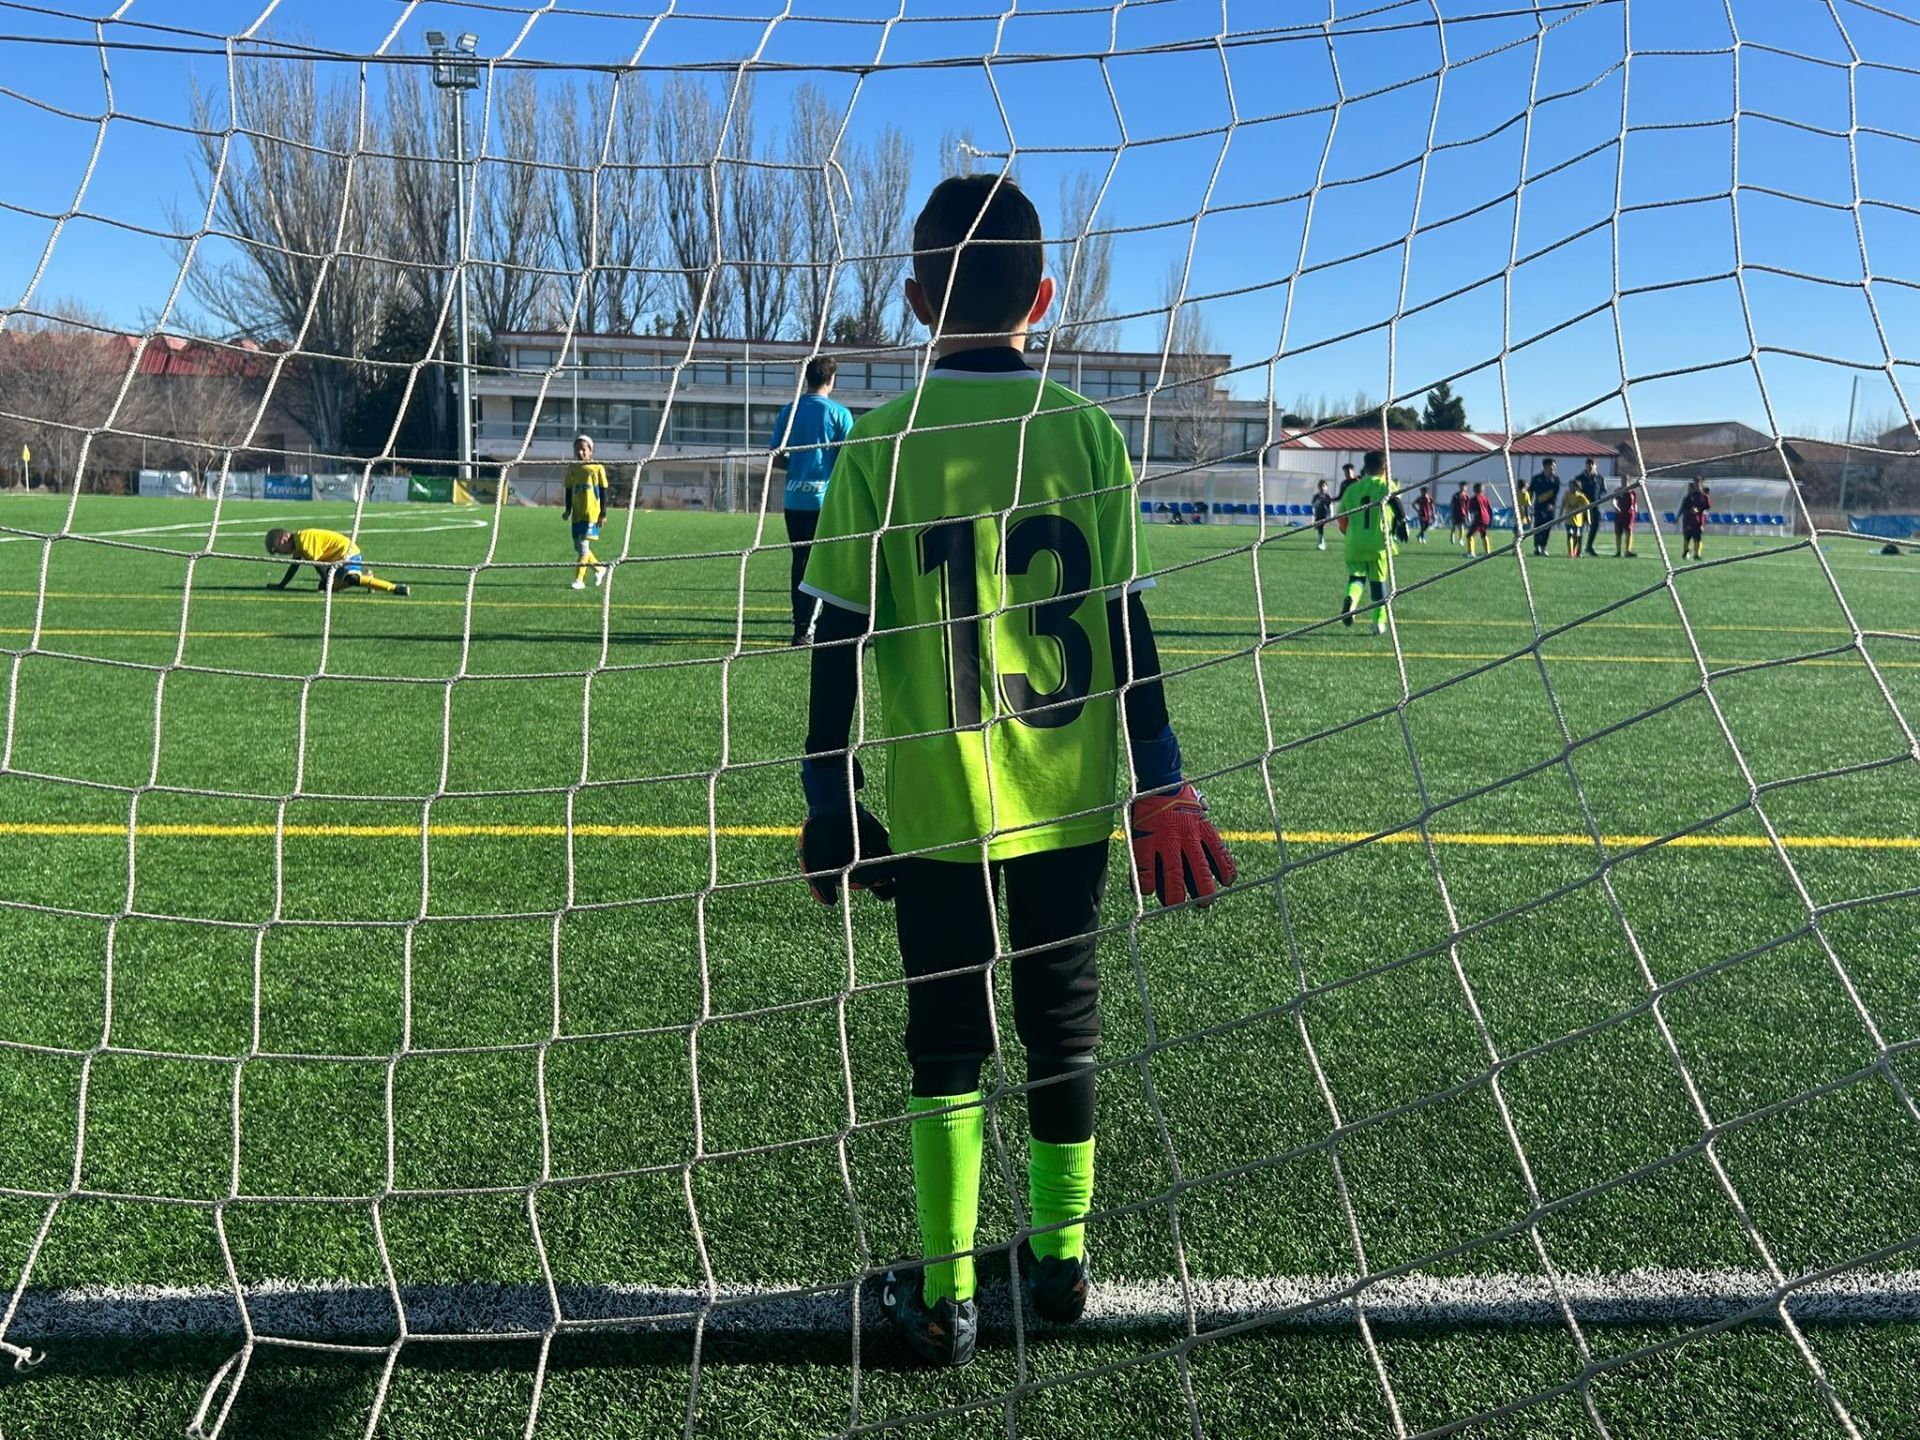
<point x="391" y="978"/>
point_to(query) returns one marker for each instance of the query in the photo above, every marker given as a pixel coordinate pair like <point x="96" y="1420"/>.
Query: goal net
<point x="416" y="1020"/>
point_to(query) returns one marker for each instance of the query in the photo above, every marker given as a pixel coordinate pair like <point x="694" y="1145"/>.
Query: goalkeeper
<point x="586" y="485"/>
<point x="333" y="556"/>
<point x="1365" y="512"/>
<point x="1002" y="708"/>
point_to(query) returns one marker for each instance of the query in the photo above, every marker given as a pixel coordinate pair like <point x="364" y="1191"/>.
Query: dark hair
<point x="976" y="288"/>
<point x="1375" y="462"/>
<point x="276" y="538"/>
<point x="820" y="370"/>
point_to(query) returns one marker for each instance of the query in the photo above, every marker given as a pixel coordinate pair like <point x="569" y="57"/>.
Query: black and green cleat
<point x="1056" y="1286"/>
<point x="942" y="1333"/>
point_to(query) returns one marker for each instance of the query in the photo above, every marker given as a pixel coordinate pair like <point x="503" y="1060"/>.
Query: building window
<point x="890" y="374"/>
<point x="693" y="424"/>
<point x="705" y="372"/>
<point x="533" y="357"/>
<point x="605" y="365"/>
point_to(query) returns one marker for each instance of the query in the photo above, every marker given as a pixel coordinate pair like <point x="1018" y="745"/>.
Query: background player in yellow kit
<point x="586" y="505"/>
<point x="333" y="555"/>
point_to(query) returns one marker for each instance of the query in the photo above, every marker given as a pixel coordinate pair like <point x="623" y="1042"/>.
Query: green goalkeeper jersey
<point x="1364" y="503"/>
<point x="984" y="531"/>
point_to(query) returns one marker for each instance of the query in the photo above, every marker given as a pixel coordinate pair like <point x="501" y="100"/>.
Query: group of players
<point x="1371" y="515"/>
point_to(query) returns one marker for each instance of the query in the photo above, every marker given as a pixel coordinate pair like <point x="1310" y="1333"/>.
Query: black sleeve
<point x="1137" y="659"/>
<point x="835" y="684"/>
<point x="287" y="579"/>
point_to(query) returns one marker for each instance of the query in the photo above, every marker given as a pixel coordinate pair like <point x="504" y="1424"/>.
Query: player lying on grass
<point x="333" y="555"/>
<point x="1003" y="724"/>
<point x="586" y="485"/>
<point x="1364" y="519"/>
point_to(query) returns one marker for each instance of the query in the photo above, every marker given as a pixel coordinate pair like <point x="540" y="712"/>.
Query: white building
<point x="726" y="393"/>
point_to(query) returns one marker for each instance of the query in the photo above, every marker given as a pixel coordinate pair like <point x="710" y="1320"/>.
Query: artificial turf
<point x="390" y="923"/>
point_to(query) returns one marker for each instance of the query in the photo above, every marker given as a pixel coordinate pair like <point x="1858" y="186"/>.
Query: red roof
<point x="1444" y="442"/>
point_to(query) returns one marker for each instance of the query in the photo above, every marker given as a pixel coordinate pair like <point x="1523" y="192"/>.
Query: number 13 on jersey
<point x="1037" y="635"/>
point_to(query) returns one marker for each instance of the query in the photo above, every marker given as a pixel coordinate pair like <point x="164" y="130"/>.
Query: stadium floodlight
<point x="457" y="79"/>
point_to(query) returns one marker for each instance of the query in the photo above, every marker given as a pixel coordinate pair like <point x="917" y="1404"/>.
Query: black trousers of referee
<point x="1542" y="527"/>
<point x="947" y="937"/>
<point x="801" y="527"/>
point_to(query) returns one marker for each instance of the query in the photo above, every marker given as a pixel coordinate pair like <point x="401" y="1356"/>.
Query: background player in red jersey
<point x="1694" y="506"/>
<point x="1457" y="516"/>
<point x="1626" y="506"/>
<point x="1423" y="511"/>
<point x="1479" y="519"/>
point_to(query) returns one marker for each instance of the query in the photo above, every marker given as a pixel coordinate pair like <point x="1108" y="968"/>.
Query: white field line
<point x="321" y="1311"/>
<point x="260" y="524"/>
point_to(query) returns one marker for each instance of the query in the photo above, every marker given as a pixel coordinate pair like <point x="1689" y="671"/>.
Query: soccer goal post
<point x="571" y="958"/>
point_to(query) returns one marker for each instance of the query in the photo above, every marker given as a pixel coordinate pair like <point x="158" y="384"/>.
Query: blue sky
<point x="1340" y="176"/>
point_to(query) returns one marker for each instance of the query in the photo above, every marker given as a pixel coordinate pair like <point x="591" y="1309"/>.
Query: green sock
<point x="946" y="1188"/>
<point x="1060" y="1188"/>
<point x="1353" y="593"/>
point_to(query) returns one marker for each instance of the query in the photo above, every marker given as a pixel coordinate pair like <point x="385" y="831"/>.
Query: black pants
<point x="945" y="926"/>
<point x="1543" y="528"/>
<point x="801" y="525"/>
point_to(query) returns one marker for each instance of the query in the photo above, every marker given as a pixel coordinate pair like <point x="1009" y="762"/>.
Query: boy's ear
<point x="1042" y="300"/>
<point x="917" y="303"/>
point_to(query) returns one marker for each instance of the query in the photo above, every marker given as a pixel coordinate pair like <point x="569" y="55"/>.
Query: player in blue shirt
<point x="806" y="439"/>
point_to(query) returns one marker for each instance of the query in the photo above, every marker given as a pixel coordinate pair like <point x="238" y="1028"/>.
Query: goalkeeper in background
<point x="334" y="556"/>
<point x="586" y="506"/>
<point x="983" y="527"/>
<point x="1365" y="513"/>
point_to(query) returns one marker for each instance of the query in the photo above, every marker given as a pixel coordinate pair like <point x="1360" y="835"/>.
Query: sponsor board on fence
<point x="167" y="482"/>
<point x="1886" y="527"/>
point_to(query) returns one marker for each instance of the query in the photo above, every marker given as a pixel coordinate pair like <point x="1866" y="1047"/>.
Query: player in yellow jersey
<point x="982" y="533"/>
<point x="1575" y="511"/>
<point x="333" y="555"/>
<point x="586" y="506"/>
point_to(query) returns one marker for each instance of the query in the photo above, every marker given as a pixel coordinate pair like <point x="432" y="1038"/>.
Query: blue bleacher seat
<point x="1670" y="518"/>
<point x="1146" y="507"/>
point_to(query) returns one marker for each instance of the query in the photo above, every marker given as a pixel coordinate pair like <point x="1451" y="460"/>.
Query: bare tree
<point x="200" y="402"/>
<point x="601" y="213"/>
<point x="305" y="201"/>
<point x="754" y="235"/>
<point x="60" y="377"/>
<point x="1084" y="263"/>
<point x="509" y="229"/>
<point x="958" y="154"/>
<point x="1190" y="404"/>
<point x="880" y="173"/>
<point x="821" y="205"/>
<point x="686" y="131"/>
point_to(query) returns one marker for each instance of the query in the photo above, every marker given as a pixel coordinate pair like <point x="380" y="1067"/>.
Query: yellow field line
<point x="1555" y="657"/>
<point x="717" y="608"/>
<point x="57" y="829"/>
<point x="1290" y="651"/>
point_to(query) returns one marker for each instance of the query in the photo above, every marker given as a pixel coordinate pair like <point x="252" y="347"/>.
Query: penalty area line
<point x="83" y="829"/>
<point x="322" y="1311"/>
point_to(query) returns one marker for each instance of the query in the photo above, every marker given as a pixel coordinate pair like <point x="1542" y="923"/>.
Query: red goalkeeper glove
<point x="1177" y="853"/>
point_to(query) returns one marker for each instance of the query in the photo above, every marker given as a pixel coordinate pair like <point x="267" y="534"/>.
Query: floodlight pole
<point x="455" y="71"/>
<point x="1846" y="455"/>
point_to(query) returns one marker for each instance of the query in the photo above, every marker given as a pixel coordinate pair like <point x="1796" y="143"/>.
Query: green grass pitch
<point x="465" y="926"/>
